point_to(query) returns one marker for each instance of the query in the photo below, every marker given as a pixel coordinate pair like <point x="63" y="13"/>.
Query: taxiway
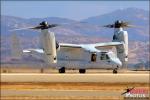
<point x="105" y="78"/>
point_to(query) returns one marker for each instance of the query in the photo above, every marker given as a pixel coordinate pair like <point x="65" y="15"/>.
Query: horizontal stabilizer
<point x="33" y="50"/>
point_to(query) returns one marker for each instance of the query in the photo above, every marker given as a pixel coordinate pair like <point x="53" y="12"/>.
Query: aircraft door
<point x="93" y="57"/>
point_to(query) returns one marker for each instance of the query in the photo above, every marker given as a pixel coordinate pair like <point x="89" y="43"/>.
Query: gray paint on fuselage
<point x="80" y="59"/>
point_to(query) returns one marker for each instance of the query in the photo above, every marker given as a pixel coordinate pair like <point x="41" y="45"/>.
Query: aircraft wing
<point x="85" y="47"/>
<point x="66" y="45"/>
<point x="107" y="44"/>
<point x="89" y="47"/>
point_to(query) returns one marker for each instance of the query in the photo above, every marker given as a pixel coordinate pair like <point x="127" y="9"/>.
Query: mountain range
<point x="88" y="30"/>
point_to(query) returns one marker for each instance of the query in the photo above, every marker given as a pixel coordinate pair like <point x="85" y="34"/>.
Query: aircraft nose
<point x="119" y="63"/>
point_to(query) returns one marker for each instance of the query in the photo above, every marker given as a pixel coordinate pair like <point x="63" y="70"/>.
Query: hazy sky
<point x="67" y="9"/>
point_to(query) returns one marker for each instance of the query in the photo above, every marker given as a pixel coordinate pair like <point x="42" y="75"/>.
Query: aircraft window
<point x="104" y="57"/>
<point x="93" y="57"/>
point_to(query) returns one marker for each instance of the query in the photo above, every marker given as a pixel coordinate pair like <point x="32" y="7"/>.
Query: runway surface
<point x="105" y="78"/>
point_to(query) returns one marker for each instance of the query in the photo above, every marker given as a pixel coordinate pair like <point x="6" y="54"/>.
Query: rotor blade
<point x="22" y="28"/>
<point x="109" y="26"/>
<point x="35" y="28"/>
<point x="53" y="25"/>
<point x="134" y="26"/>
<point x="126" y="23"/>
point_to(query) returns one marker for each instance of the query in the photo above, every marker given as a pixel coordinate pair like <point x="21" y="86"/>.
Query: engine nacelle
<point x="122" y="50"/>
<point x="49" y="45"/>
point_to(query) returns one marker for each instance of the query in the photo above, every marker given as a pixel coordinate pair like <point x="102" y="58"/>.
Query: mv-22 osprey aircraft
<point x="83" y="56"/>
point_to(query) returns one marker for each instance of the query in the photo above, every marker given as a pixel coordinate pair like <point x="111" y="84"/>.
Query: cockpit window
<point x="104" y="56"/>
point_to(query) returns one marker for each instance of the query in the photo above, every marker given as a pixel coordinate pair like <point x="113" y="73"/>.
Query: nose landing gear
<point x="115" y="71"/>
<point x="82" y="71"/>
<point x="62" y="70"/>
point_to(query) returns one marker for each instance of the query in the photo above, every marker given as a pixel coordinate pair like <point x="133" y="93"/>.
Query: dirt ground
<point x="68" y="86"/>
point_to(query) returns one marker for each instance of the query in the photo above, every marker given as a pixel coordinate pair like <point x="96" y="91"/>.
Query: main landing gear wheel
<point x="115" y="71"/>
<point x="82" y="71"/>
<point x="62" y="70"/>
